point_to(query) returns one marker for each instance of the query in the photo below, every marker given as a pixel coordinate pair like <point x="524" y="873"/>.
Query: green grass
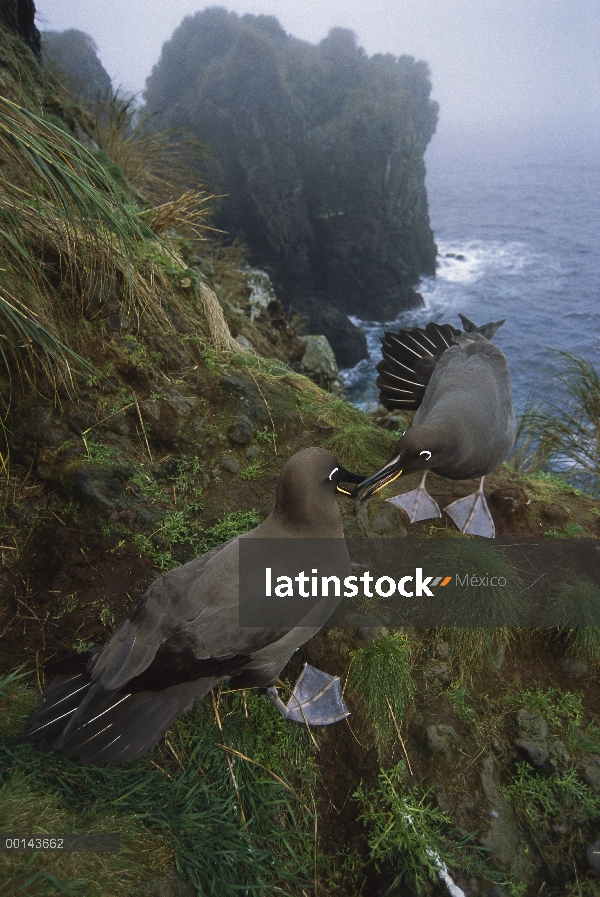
<point x="461" y="701"/>
<point x="381" y="674"/>
<point x="228" y="797"/>
<point x="476" y="620"/>
<point x="232" y="525"/>
<point x="545" y="801"/>
<point x="560" y="708"/>
<point x="411" y="838"/>
<point x="555" y="480"/>
<point x="574" y="606"/>
<point x="255" y="470"/>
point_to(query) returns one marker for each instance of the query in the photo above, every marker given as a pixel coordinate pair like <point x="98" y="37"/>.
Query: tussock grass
<point x="157" y="163"/>
<point x="20" y="71"/>
<point x="565" y="434"/>
<point x="63" y="217"/>
<point x="476" y="620"/>
<point x="574" y="605"/>
<point x="187" y="213"/>
<point x="381" y="674"/>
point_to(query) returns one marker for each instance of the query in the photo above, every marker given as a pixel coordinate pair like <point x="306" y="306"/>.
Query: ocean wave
<point x="469" y="261"/>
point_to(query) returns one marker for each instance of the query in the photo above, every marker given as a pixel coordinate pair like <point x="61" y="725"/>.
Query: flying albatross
<point x="184" y="636"/>
<point x="465" y="424"/>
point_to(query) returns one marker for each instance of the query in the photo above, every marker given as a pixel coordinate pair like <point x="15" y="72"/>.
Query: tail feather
<point x="61" y="699"/>
<point x="409" y="359"/>
<point x="486" y="330"/>
<point x="80" y="719"/>
<point x="132" y="723"/>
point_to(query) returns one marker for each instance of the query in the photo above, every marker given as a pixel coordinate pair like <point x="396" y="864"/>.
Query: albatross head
<point x="307" y="489"/>
<point x="420" y="448"/>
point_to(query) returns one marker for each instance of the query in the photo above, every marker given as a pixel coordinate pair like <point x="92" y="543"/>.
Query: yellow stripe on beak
<point x="387" y="482"/>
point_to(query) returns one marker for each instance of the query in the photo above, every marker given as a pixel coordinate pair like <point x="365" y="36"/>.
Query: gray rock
<point x="230" y="464"/>
<point x="502" y="838"/>
<point x="261" y="291"/>
<point x="318" y="357"/>
<point x="532" y="736"/>
<point x="348" y="342"/>
<point x="498" y="656"/>
<point x="442" y="739"/>
<point x="80" y="417"/>
<point x="318" y="363"/>
<point x="443" y="650"/>
<point x="592" y="855"/>
<point x="438" y="671"/>
<point x="245" y="344"/>
<point x="590" y="772"/>
<point x="381" y="525"/>
<point x="373" y="633"/>
<point x="559" y="755"/>
<point x="253" y="453"/>
<point x="241" y="431"/>
<point x="574" y="667"/>
<point x="375" y="518"/>
<point x="46" y="427"/>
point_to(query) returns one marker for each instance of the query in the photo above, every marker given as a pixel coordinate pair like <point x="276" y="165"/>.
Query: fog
<point x="527" y="74"/>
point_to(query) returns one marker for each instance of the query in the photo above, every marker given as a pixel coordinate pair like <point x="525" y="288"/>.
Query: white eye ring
<point x="425" y="453"/>
<point x="333" y="473"/>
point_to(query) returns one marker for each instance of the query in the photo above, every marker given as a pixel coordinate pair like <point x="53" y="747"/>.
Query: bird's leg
<point x="316" y="699"/>
<point x="418" y="504"/>
<point x="472" y="515"/>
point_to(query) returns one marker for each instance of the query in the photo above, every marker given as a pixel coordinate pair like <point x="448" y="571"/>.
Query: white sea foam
<point x="467" y="262"/>
<point x="512" y="244"/>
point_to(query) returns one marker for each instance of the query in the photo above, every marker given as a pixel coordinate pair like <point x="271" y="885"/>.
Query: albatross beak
<point x="386" y="474"/>
<point x="344" y="476"/>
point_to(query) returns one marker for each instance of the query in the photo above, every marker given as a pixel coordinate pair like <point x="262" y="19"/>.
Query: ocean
<point x="517" y="238"/>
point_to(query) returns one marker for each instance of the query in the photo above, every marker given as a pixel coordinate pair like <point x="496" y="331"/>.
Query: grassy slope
<point x="283" y="804"/>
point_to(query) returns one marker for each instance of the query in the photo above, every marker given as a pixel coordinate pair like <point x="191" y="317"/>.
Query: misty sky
<point x="528" y="70"/>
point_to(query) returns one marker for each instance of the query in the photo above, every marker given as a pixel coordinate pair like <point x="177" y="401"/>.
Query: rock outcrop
<point x="320" y="152"/>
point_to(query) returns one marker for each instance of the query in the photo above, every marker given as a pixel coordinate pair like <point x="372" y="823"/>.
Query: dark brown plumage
<point x="184" y="636"/>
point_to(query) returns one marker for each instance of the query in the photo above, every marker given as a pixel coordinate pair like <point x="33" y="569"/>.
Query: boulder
<point x="590" y="772"/>
<point x="241" y="431"/>
<point x="318" y="363"/>
<point x="532" y="736"/>
<point x="348" y="342"/>
<point x="502" y="838"/>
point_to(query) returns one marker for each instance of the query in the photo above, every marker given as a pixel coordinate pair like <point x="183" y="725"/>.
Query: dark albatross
<point x="184" y="636"/>
<point x="465" y="424"/>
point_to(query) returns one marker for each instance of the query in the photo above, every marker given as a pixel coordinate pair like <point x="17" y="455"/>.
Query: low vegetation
<point x="120" y="381"/>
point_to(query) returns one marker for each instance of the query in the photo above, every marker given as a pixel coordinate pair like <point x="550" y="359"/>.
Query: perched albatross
<point x="465" y="424"/>
<point x="184" y="636"/>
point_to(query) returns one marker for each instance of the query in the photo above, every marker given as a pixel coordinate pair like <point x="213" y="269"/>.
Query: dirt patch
<point x="69" y="587"/>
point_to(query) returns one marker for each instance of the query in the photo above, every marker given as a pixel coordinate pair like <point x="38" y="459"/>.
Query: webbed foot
<point x="316" y="699"/>
<point x="418" y="504"/>
<point x="472" y="514"/>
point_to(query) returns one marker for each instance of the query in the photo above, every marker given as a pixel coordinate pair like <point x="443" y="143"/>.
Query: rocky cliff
<point x="320" y="152"/>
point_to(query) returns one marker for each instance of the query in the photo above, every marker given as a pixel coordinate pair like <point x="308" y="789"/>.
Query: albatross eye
<point x="333" y="473"/>
<point x="428" y="454"/>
